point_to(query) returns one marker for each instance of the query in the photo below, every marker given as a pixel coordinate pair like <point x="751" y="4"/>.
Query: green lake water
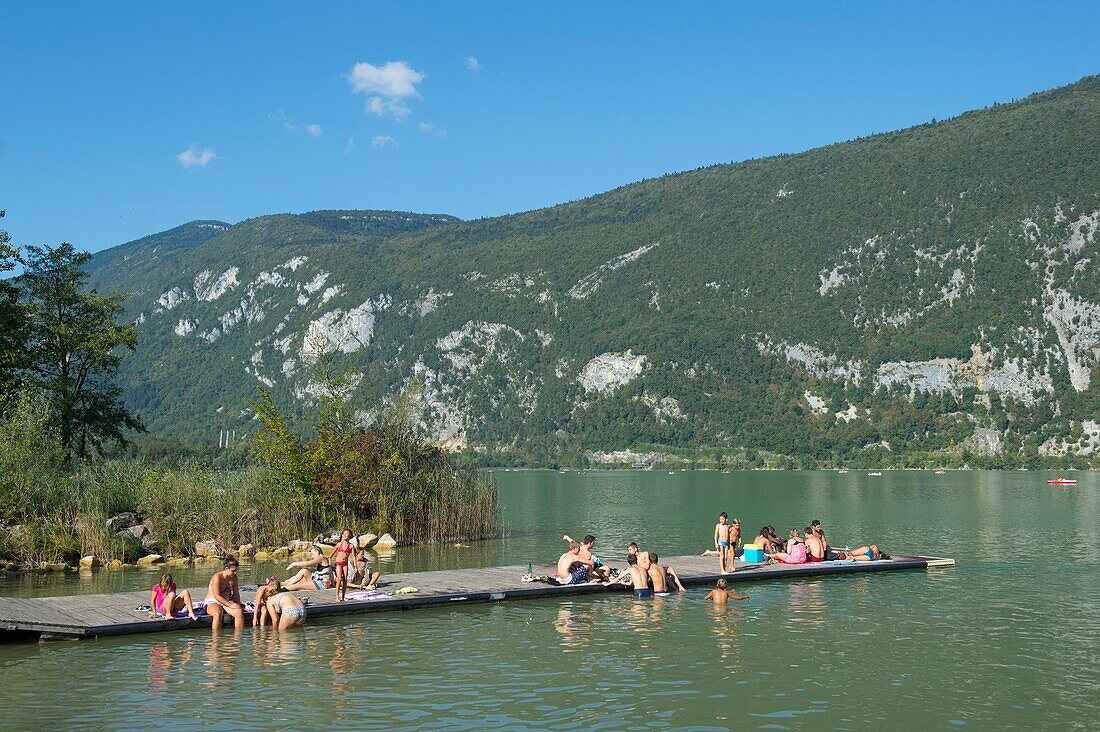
<point x="1010" y="638"/>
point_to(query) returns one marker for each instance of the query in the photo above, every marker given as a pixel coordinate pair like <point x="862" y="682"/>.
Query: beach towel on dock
<point x="366" y="595"/>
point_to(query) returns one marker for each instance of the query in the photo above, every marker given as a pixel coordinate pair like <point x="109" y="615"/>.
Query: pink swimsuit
<point x="797" y="554"/>
<point x="158" y="598"/>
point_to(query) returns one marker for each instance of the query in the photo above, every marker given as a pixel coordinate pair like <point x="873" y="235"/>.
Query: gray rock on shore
<point x="122" y="521"/>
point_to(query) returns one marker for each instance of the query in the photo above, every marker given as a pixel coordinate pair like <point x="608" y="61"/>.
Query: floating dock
<point x="90" y="616"/>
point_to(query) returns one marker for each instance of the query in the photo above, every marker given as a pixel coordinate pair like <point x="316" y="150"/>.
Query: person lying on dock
<point x="659" y="575"/>
<point x="867" y="554"/>
<point x="585" y="553"/>
<point x="796" y="551"/>
<point x="636" y="577"/>
<point x="720" y="594"/>
<point x="360" y="575"/>
<point x="165" y="601"/>
<point x="223" y="595"/>
<point x="815" y="547"/>
<point x="572" y="568"/>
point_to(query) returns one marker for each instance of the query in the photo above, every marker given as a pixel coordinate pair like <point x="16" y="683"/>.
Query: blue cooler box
<point x="753" y="553"/>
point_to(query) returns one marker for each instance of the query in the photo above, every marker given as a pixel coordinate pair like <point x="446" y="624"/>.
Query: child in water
<point x="720" y="594"/>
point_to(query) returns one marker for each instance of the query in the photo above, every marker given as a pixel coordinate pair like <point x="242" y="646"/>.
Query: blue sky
<point x="119" y="121"/>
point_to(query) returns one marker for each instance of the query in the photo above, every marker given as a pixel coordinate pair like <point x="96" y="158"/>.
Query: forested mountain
<point x="921" y="297"/>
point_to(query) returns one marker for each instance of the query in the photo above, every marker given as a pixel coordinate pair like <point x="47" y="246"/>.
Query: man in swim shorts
<point x="815" y="548"/>
<point x="573" y="569"/>
<point x="585" y="552"/>
<point x="637" y="577"/>
<point x="722" y="541"/>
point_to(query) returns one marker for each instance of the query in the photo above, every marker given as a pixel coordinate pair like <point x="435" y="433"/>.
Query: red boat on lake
<point x="1061" y="481"/>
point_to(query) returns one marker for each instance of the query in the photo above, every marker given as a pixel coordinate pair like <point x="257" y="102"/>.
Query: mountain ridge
<point x="935" y="280"/>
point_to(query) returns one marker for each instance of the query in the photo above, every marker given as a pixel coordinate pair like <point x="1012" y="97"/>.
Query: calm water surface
<point x="1008" y="639"/>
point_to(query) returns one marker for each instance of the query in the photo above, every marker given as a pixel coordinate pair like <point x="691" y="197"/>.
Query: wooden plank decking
<point x="82" y="616"/>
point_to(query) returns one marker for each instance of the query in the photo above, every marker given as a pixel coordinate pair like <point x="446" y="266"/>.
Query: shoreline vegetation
<point x="381" y="479"/>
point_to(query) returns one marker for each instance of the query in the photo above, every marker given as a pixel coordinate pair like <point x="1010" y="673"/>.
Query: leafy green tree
<point x="13" y="323"/>
<point x="74" y="349"/>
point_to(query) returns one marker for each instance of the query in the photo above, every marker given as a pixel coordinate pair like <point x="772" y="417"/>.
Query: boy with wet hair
<point x="720" y="594"/>
<point x="722" y="541"/>
<point x="637" y="577"/>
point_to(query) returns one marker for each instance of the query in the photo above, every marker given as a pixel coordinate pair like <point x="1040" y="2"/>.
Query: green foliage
<point x="74" y="349"/>
<point x="13" y="323"/>
<point x="33" y="473"/>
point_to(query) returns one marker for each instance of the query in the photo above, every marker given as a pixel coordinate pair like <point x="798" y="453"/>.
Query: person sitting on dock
<point x="819" y="532"/>
<point x="659" y="575"/>
<point x="815" y="547"/>
<point x="166" y="601"/>
<point x="223" y="595"/>
<point x="767" y="539"/>
<point x="360" y="575"/>
<point x="720" y="594"/>
<point x="867" y="554"/>
<point x="572" y="568"/>
<point x="796" y="551"/>
<point x="585" y="552"/>
<point x="311" y="579"/>
<point x="636" y="577"/>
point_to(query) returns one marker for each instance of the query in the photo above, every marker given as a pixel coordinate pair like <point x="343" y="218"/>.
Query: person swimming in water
<point x="719" y="595"/>
<point x="636" y="577"/>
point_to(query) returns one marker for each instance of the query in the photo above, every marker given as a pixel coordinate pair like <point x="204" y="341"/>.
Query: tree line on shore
<point x="64" y="469"/>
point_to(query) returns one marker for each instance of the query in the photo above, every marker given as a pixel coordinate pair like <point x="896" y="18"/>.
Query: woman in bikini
<point x="223" y="595"/>
<point x="343" y="552"/>
<point x="315" y="573"/>
<point x="275" y="602"/>
<point x="167" y="602"/>
<point x="867" y="554"/>
<point x="796" y="551"/>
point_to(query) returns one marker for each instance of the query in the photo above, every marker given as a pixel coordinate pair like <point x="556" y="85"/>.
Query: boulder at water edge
<point x="281" y="553"/>
<point x="90" y="561"/>
<point x="297" y="546"/>
<point x="366" y="541"/>
<point x="114" y="564"/>
<point x="150" y="560"/>
<point x="385" y="541"/>
<point x="327" y="549"/>
<point x="262" y="556"/>
<point x="245" y="551"/>
<point x="178" y="562"/>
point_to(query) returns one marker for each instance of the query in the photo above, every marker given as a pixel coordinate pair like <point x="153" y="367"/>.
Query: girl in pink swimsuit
<point x="166" y="601"/>
<point x="343" y="551"/>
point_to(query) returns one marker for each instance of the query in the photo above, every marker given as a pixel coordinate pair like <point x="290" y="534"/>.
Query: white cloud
<point x="386" y="86"/>
<point x="314" y="129"/>
<point x="473" y="64"/>
<point x="349" y="146"/>
<point x="286" y="122"/>
<point x="382" y="141"/>
<point x="195" y="157"/>
<point x="383" y="107"/>
<point x="429" y="128"/>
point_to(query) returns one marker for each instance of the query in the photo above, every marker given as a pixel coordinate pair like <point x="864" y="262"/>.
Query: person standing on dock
<point x="341" y="555"/>
<point x="223" y="595"/>
<point x="722" y="541"/>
